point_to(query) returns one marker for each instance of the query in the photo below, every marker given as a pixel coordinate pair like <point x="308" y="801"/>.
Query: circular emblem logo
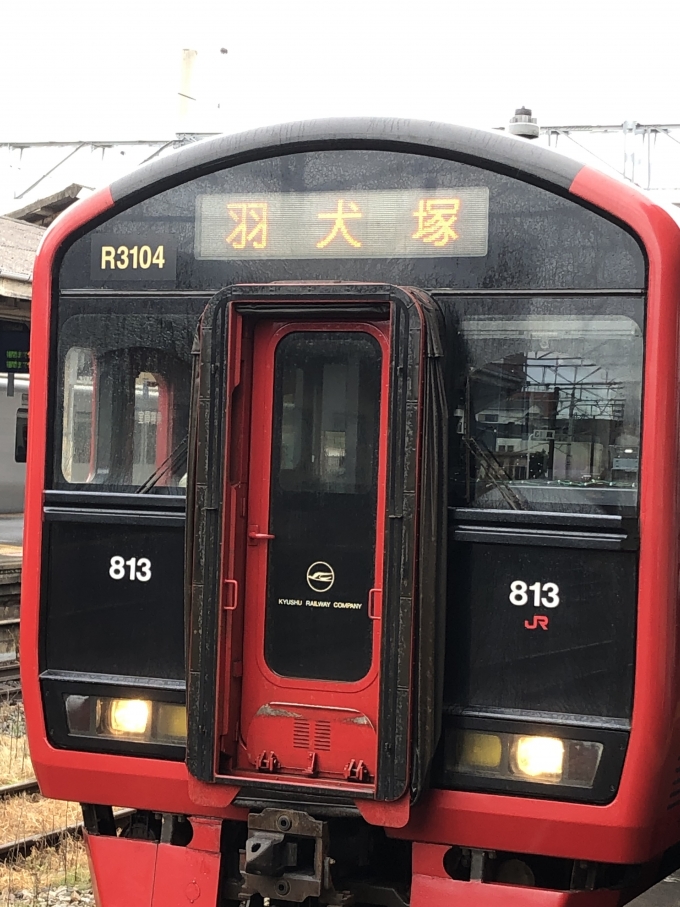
<point x="320" y="576"/>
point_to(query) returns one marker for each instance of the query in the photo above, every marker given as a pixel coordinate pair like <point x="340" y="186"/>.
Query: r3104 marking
<point x="519" y="594"/>
<point x="139" y="568"/>
<point x="134" y="257"/>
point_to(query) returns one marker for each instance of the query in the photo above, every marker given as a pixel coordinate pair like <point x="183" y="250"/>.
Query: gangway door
<point x="316" y="489"/>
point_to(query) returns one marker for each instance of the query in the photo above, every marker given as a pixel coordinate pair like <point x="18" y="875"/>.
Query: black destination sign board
<point x="418" y="223"/>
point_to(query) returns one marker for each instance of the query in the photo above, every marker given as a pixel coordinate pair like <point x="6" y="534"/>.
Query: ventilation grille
<point x="322" y="735"/>
<point x="301" y="734"/>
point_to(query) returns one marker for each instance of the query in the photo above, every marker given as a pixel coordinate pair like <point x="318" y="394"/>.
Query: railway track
<point x="23" y="846"/>
<point x="10" y="681"/>
<point x="30" y="786"/>
<point x="10" y="684"/>
<point x="10" y="594"/>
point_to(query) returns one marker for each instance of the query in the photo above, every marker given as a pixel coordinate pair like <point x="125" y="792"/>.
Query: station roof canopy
<point x="19" y="242"/>
<point x="43" y="211"/>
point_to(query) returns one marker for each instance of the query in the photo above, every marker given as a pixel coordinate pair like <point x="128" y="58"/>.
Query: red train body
<point x="374" y="714"/>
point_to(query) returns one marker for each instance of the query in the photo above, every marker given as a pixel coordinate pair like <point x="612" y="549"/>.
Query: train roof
<point x="517" y="157"/>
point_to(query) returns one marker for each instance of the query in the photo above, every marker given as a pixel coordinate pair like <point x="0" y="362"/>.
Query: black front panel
<point x="543" y="394"/>
<point x="113" y="595"/>
<point x="536" y="239"/>
<point x="541" y="625"/>
<point x="323" y="505"/>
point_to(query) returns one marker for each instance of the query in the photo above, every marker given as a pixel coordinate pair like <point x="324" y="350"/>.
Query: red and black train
<point x="352" y="524"/>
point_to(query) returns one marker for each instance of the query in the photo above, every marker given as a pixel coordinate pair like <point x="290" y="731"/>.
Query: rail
<point x="30" y="786"/>
<point x="23" y="846"/>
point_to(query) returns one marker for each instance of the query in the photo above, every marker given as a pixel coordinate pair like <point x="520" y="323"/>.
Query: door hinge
<point x="357" y="770"/>
<point x="267" y="762"/>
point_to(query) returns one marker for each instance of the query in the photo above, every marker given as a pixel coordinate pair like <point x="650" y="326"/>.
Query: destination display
<point x="14" y="341"/>
<point x="420" y="223"/>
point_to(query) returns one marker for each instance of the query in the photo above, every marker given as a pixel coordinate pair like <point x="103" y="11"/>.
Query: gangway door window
<point x="323" y="498"/>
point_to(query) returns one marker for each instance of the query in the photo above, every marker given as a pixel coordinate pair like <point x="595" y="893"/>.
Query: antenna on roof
<point x="523" y="124"/>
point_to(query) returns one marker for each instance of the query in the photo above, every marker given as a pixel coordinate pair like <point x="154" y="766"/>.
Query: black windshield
<point x="122" y="413"/>
<point x="546" y="403"/>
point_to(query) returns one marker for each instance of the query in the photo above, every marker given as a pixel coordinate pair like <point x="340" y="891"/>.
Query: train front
<point x="341" y="567"/>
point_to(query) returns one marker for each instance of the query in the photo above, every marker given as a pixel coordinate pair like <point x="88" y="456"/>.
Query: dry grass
<point x="31" y="814"/>
<point x="15" y="761"/>
<point x="40" y="877"/>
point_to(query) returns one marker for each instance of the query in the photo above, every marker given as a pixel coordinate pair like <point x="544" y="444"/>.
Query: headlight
<point x="519" y="757"/>
<point x="171" y="721"/>
<point x="482" y="750"/>
<point x="128" y="717"/>
<point x="540" y="758"/>
<point x="136" y="720"/>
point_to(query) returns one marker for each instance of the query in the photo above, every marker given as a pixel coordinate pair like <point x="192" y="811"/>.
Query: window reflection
<point x="554" y="422"/>
<point x="78" y="421"/>
<point x="328" y="411"/>
<point x="147" y="426"/>
<point x="125" y="402"/>
<point x="325" y="444"/>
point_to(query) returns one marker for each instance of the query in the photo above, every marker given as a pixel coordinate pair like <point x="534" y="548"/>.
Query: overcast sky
<point x="76" y="69"/>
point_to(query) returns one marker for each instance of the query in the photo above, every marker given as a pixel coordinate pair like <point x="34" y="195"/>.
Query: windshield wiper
<point x="170" y="464"/>
<point x="495" y="472"/>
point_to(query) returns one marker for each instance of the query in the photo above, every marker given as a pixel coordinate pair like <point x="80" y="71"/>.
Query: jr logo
<point x="540" y="620"/>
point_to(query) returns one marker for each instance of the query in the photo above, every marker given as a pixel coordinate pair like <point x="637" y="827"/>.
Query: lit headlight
<point x="128" y="717"/>
<point x="539" y="758"/>
<point x="136" y="720"/>
<point x="516" y="757"/>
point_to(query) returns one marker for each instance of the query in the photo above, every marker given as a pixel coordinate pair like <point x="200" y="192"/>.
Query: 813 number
<point x="519" y="594"/>
<point x="138" y="568"/>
